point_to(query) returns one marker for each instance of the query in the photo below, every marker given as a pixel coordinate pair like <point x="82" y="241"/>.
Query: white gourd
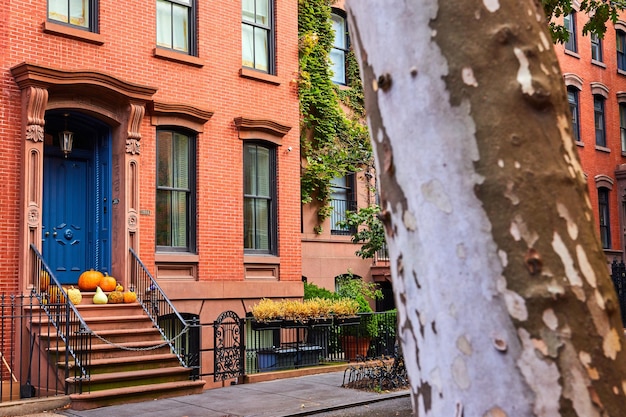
<point x="100" y="297"/>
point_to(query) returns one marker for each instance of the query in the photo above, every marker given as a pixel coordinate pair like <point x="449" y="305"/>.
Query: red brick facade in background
<point x="134" y="87"/>
<point x="602" y="165"/>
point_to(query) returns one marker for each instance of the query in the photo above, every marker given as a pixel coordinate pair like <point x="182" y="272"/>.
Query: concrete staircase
<point x="130" y="361"/>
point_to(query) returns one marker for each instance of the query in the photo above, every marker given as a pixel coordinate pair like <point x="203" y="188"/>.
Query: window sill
<point x="260" y="259"/>
<point x="598" y="63"/>
<point x="621" y="71"/>
<point x="260" y="76"/>
<point x="179" y="57"/>
<point x="580" y="143"/>
<point x="603" y="149"/>
<point x="72" y="33"/>
<point x="571" y="53"/>
<point x="182" y="257"/>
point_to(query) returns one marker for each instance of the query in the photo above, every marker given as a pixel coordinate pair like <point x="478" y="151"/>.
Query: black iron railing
<point x="71" y="338"/>
<point x="170" y="323"/>
<point x="287" y="345"/>
<point x="338" y="214"/>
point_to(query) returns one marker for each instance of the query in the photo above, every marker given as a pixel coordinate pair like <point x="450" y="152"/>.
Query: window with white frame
<point x="175" y="25"/>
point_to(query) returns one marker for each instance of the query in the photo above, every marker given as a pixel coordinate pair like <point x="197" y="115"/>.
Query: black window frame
<point x="92" y="18"/>
<point x="272" y="199"/>
<point x="271" y="41"/>
<point x="341" y="207"/>
<point x="191" y="33"/>
<point x="604" y="217"/>
<point x="599" y="119"/>
<point x="191" y="192"/>
<point x="622" y="126"/>
<point x="344" y="51"/>
<point x="596" y="47"/>
<point x="620" y="46"/>
<point x="574" y="105"/>
<point x="571" y="44"/>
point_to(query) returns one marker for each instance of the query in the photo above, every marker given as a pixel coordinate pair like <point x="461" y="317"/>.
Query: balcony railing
<point x="338" y="214"/>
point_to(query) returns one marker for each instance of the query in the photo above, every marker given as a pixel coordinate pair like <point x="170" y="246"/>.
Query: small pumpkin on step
<point x="130" y="296"/>
<point x="116" y="297"/>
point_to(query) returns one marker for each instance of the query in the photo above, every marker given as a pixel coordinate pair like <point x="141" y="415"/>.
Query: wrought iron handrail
<point x="167" y="320"/>
<point x="64" y="316"/>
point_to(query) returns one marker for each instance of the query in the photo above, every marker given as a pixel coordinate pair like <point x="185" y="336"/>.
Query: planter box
<point x="266" y="325"/>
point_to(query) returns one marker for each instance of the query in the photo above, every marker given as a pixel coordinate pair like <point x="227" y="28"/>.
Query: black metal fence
<point x="618" y="274"/>
<point x="28" y="369"/>
<point x="289" y="345"/>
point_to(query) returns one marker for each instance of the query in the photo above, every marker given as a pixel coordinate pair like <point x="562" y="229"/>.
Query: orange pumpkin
<point x="130" y="297"/>
<point x="107" y="283"/>
<point x="56" y="295"/>
<point x="89" y="280"/>
<point x="44" y="281"/>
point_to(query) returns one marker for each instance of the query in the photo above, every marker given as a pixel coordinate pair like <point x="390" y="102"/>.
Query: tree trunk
<point x="505" y="304"/>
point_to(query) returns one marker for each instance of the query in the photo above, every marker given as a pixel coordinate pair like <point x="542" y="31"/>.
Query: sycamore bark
<point x="505" y="303"/>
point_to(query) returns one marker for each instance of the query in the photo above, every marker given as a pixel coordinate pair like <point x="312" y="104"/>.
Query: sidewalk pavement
<point x="290" y="397"/>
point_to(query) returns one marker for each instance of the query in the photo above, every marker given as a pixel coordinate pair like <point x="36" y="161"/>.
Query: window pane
<point x="260" y="49"/>
<point x="181" y="146"/>
<point x="263" y="172"/>
<point x="179" y="219"/>
<point x="262" y="12"/>
<point x="340" y="31"/>
<point x="57" y="10"/>
<point x="79" y="12"/>
<point x="249" y="163"/>
<point x="180" y="28"/>
<point x="247" y="46"/>
<point x="163" y="218"/>
<point x="338" y="62"/>
<point x="248" y="223"/>
<point x="262" y="224"/>
<point x="247" y="10"/>
<point x="164" y="156"/>
<point x="164" y="23"/>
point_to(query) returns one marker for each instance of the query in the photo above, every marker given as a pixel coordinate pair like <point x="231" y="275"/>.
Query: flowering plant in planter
<point x="302" y="311"/>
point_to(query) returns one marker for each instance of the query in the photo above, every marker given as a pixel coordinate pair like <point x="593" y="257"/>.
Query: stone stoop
<point x="129" y="360"/>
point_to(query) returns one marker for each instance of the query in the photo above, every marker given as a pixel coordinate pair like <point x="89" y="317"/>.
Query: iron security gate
<point x="229" y="352"/>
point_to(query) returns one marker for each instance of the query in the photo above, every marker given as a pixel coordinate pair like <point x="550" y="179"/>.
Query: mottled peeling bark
<point x="506" y="306"/>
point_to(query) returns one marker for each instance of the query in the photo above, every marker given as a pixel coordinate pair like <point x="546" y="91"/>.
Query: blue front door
<point x="75" y="215"/>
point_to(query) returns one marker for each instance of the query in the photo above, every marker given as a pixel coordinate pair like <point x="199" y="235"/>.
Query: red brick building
<point x="184" y="120"/>
<point x="594" y="72"/>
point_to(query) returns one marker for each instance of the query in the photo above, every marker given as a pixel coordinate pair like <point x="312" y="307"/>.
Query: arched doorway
<point x="76" y="211"/>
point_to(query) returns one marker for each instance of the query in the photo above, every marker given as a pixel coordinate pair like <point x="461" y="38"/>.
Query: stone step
<point x="125" y="349"/>
<point x="114" y="335"/>
<point x="112" y="380"/>
<point x="115" y="396"/>
<point x="129" y="363"/>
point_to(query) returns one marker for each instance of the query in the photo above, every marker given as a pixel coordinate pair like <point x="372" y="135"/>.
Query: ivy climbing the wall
<point x="334" y="138"/>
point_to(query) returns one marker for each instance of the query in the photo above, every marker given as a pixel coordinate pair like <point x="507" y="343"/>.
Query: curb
<point x="390" y="396"/>
<point x="40" y="407"/>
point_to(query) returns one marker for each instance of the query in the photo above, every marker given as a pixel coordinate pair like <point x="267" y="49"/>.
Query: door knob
<point x="54" y="234"/>
<point x="46" y="234"/>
